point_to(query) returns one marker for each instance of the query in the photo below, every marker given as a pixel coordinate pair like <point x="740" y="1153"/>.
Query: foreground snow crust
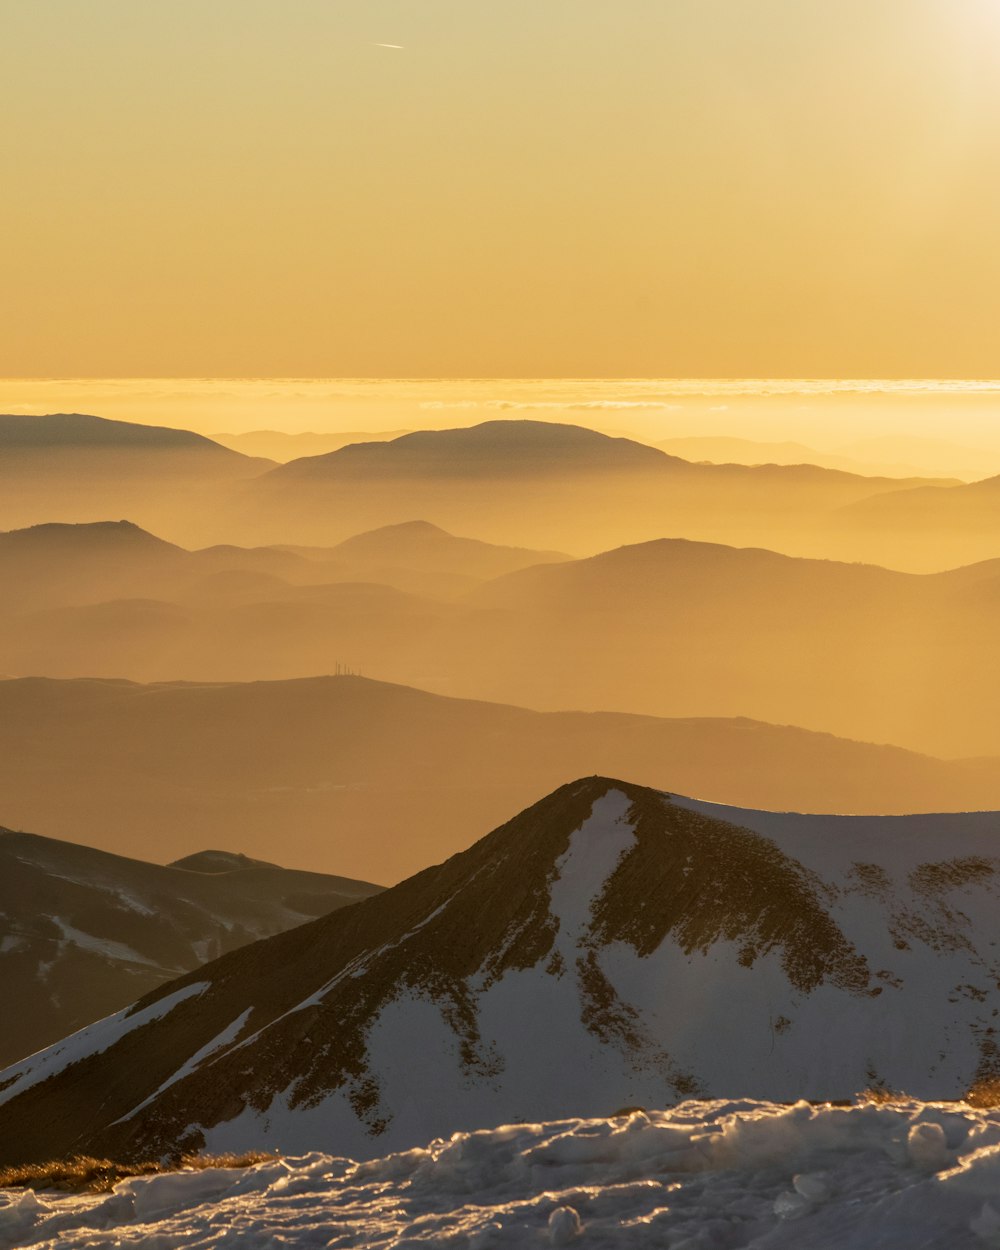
<point x="703" y="1175"/>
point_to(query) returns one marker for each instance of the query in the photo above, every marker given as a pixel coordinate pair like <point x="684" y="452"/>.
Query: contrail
<point x="389" y="45"/>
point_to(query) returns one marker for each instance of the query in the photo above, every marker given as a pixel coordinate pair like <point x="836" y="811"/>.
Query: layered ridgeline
<point x="665" y="628"/>
<point x="78" y="467"/>
<point x="673" y="627"/>
<point x="318" y="760"/>
<point x="561" y="485"/>
<point x="85" y="933"/>
<point x="610" y="946"/>
<point x="925" y="528"/>
<point x="520" y="482"/>
<point x="282" y="446"/>
<point x="57" y="567"/>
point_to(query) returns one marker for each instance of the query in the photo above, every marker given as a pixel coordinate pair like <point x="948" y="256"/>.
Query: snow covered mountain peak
<point x="611" y="946"/>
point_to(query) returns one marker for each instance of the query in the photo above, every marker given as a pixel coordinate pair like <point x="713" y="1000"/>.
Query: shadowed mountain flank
<point x="86" y="932"/>
<point x="701" y="880"/>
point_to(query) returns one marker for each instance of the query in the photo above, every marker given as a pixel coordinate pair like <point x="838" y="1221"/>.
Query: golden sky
<point x="576" y="188"/>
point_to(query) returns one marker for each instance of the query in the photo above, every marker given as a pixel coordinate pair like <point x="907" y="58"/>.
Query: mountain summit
<point x="610" y="946"/>
<point x="491" y="449"/>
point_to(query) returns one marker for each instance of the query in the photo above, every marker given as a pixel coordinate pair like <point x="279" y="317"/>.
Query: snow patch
<point x="90" y="1041"/>
<point x="116" y="952"/>
<point x="223" y="1039"/>
<point x="592" y="856"/>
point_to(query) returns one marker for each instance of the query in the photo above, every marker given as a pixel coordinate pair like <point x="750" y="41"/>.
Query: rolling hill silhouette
<point x="280" y="445"/>
<point x="933" y="528"/>
<point x="677" y="628"/>
<point x="298" y="770"/>
<point x="719" y="449"/>
<point x="59" y="564"/>
<point x="554" y="484"/>
<point x="492" y="449"/>
<point x="75" y="467"/>
<point x="670" y="627"/>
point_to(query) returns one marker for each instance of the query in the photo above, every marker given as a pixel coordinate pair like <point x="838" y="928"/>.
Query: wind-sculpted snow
<point x="704" y="1176"/>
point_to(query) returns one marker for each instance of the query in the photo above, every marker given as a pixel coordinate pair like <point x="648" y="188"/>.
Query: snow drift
<point x="705" y="1175"/>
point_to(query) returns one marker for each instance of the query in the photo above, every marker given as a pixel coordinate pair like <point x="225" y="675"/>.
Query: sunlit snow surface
<point x="704" y="1175"/>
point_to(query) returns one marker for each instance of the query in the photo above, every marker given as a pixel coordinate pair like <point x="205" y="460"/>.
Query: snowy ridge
<point x="86" y="932"/>
<point x="90" y="1041"/>
<point x="609" y="947"/>
<point x="703" y="1175"/>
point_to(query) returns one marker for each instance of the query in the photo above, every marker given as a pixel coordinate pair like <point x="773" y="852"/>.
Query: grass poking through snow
<point x="86" y="1175"/>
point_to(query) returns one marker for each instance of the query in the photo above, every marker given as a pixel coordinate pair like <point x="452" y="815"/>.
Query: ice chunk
<point x="564" y="1226"/>
<point x="18" y="1216"/>
<point x="927" y="1147"/>
<point x="157" y="1196"/>
<point x="814" y="1187"/>
<point x="790" y="1206"/>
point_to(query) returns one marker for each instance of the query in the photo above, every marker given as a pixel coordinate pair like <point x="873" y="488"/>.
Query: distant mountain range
<point x="673" y="627"/>
<point x="521" y="483"/>
<point x="718" y="449"/>
<point x="350" y="775"/>
<point x="76" y="467"/>
<point x="85" y="932"/>
<point x="891" y="456"/>
<point x="612" y="946"/>
<point x="60" y="565"/>
<point x="496" y="450"/>
<point x="559" y="484"/>
<point x="283" y="446"/>
<point x="963" y="519"/>
<point x="665" y="628"/>
<point x="78" y="432"/>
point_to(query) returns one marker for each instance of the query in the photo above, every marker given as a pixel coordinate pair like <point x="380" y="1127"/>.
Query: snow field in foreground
<point x="704" y="1176"/>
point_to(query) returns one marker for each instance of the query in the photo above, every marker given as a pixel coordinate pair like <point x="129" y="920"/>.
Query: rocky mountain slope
<point x="84" y="933"/>
<point x="611" y="946"/>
